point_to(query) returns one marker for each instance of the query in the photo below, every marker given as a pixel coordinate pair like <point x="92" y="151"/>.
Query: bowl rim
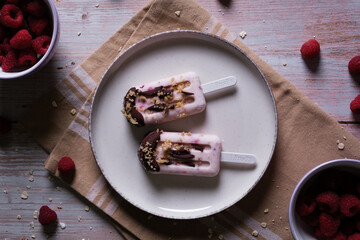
<point x="54" y="39"/>
<point x="304" y="180"/>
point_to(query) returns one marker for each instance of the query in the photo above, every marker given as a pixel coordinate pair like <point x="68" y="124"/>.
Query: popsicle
<point x="169" y="98"/>
<point x="190" y="154"/>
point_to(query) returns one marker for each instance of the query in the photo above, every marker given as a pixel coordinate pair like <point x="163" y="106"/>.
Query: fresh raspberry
<point x="337" y="236"/>
<point x="41" y="44"/>
<point x="21" y="40"/>
<point x="27" y="57"/>
<point x="354" y="65"/>
<point x="47" y="216"/>
<point x="328" y="202"/>
<point x="349" y="205"/>
<point x="11" y="16"/>
<point x="10" y="61"/>
<point x="312" y="219"/>
<point x="355" y="105"/>
<point x="38" y="25"/>
<point x="355" y="236"/>
<point x="36" y="8"/>
<point x="305" y="205"/>
<point x="66" y="166"/>
<point x="329" y="224"/>
<point x="5" y="125"/>
<point x="310" y="49"/>
<point x="331" y="179"/>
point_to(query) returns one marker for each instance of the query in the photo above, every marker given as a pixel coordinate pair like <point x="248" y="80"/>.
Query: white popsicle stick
<point x="219" y="84"/>
<point x="239" y="158"/>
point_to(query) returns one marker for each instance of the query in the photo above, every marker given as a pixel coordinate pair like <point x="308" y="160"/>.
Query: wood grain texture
<point x="275" y="31"/>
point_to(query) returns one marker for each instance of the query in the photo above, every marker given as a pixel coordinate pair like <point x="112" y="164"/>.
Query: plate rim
<point x="206" y="35"/>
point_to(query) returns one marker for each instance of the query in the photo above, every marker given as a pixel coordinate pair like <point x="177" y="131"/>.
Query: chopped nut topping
<point x="18" y="216"/>
<point x="31" y="178"/>
<point x="263" y="224"/>
<point x="255" y="233"/>
<point x="177" y="13"/>
<point x="266" y="210"/>
<point x="73" y="111"/>
<point x="87" y="208"/>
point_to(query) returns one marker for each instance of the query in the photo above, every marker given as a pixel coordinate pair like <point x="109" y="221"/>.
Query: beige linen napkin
<point x="306" y="137"/>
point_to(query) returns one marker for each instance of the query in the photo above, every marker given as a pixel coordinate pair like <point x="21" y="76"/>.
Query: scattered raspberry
<point x="21" y="40"/>
<point x="41" y="44"/>
<point x="355" y="236"/>
<point x="338" y="236"/>
<point x="47" y="215"/>
<point x="305" y="205"/>
<point x="355" y="105"/>
<point x="5" y="126"/>
<point x="328" y="202"/>
<point x="38" y="25"/>
<point x="329" y="224"/>
<point x="10" y="61"/>
<point x="36" y="8"/>
<point x="11" y="16"/>
<point x="349" y="205"/>
<point x="310" y="49"/>
<point x="66" y="166"/>
<point x="354" y="65"/>
<point x="27" y="57"/>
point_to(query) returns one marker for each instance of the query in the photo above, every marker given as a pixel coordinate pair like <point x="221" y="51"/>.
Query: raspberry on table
<point x="21" y="40"/>
<point x="310" y="49"/>
<point x="47" y="216"/>
<point x="329" y="224"/>
<point x="354" y="65"/>
<point x="349" y="205"/>
<point x="355" y="105"/>
<point x="11" y="16"/>
<point x="328" y="202"/>
<point x="66" y="166"/>
<point x="305" y="205"/>
<point x="41" y="44"/>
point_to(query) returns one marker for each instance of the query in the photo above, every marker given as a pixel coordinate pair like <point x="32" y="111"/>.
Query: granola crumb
<point x="284" y="64"/>
<point x="18" y="217"/>
<point x="177" y="13"/>
<point x="87" y="208"/>
<point x="5" y="191"/>
<point x="91" y="228"/>
<point x="28" y="186"/>
<point x="62" y="225"/>
<point x="59" y="207"/>
<point x="97" y="5"/>
<point x="33" y="236"/>
<point x="32" y="224"/>
<point x="344" y="137"/>
<point x="266" y="210"/>
<point x="73" y="111"/>
<point x="79" y="33"/>
<point x="31" y="178"/>
<point x="79" y="218"/>
<point x="255" y="233"/>
<point x="24" y="195"/>
<point x="50" y="199"/>
<point x="341" y="146"/>
<point x="31" y="172"/>
<point x="54" y="104"/>
<point x="242" y="34"/>
<point x="263" y="224"/>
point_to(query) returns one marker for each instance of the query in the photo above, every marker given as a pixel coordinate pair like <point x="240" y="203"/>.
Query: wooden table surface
<point x="275" y="31"/>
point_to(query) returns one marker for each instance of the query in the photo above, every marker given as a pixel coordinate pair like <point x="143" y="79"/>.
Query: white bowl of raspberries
<point x="29" y="32"/>
<point x="326" y="202"/>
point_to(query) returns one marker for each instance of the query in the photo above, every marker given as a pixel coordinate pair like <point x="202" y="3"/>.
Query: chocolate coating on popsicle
<point x="131" y="113"/>
<point x="147" y="151"/>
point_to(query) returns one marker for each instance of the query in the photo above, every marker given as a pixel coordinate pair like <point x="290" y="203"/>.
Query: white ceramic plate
<point x="244" y="117"/>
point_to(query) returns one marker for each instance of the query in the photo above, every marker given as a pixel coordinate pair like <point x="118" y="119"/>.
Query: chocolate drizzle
<point x="147" y="151"/>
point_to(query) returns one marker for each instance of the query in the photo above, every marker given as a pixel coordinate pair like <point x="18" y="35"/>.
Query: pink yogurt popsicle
<point x="181" y="153"/>
<point x="164" y="100"/>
